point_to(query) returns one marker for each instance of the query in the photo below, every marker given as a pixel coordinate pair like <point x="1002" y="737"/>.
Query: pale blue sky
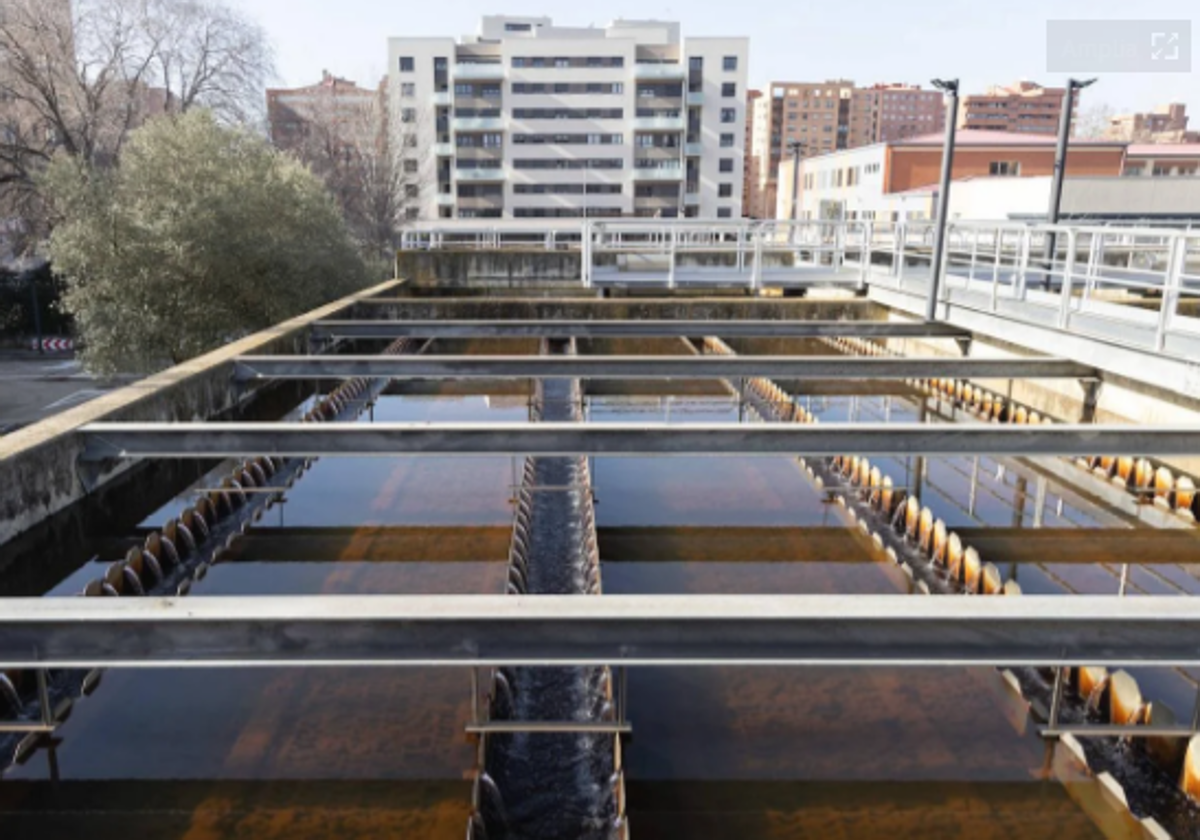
<point x="981" y="41"/>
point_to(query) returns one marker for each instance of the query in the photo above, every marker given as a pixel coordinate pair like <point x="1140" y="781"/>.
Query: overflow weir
<point x="681" y="547"/>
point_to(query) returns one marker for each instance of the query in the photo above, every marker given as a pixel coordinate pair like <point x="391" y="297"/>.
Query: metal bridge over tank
<point x="996" y="285"/>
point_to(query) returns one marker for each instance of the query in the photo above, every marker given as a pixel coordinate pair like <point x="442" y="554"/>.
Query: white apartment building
<point x="531" y="120"/>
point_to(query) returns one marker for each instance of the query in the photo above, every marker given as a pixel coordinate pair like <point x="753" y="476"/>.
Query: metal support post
<point x="1091" y="398"/>
<point x="1060" y="171"/>
<point x="950" y="88"/>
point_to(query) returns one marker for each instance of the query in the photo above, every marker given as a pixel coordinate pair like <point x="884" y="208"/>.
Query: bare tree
<point x="1094" y="122"/>
<point x="77" y="77"/>
<point x="343" y="134"/>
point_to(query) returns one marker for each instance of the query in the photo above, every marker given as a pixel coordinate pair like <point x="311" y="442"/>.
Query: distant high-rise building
<point x="899" y="111"/>
<point x="1021" y="107"/>
<point x="1165" y="124"/>
<point x="530" y="120"/>
<point x="824" y="117"/>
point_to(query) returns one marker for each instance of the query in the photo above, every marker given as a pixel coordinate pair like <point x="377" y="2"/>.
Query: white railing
<point x="1136" y="284"/>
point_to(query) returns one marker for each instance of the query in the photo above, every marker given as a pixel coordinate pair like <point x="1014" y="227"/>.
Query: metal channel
<point x="208" y="440"/>
<point x="653" y="367"/>
<point x="550" y="630"/>
<point x="633" y="329"/>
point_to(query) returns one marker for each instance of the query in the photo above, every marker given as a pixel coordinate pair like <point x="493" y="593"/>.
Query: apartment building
<point x="825" y="117"/>
<point x="1165" y="124"/>
<point x="900" y="111"/>
<point x="750" y="163"/>
<point x="1024" y="107"/>
<point x="526" y="119"/>
<point x="334" y="107"/>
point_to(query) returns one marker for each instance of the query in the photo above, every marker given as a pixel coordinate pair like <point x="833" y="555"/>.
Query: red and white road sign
<point x="55" y="345"/>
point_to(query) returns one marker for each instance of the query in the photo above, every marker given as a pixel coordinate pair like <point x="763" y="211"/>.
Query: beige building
<point x="1024" y="107"/>
<point x="1165" y="124"/>
<point x="899" y="111"/>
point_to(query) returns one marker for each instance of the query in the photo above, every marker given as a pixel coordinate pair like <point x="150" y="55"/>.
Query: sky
<point x="868" y="41"/>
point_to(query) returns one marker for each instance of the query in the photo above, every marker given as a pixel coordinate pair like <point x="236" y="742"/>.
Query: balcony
<point x="443" y="149"/>
<point x="479" y="123"/>
<point x="691" y="198"/>
<point x="445" y="199"/>
<point x="659" y="123"/>
<point x="695" y="99"/>
<point x="659" y="71"/>
<point x="480" y="175"/>
<point x="694" y="149"/>
<point x="661" y="174"/>
<point x="443" y="99"/>
<point x="479" y="72"/>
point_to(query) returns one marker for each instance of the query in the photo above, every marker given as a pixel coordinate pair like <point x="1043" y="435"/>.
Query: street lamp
<point x="1060" y="168"/>
<point x="796" y="147"/>
<point x="950" y="88"/>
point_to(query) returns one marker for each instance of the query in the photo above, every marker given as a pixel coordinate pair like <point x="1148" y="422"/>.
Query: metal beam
<point x="653" y="367"/>
<point x="482" y="630"/>
<point x="209" y="440"/>
<point x="632" y="329"/>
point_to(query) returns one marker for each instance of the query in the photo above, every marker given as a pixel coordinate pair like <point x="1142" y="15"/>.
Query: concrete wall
<point x="39" y="475"/>
<point x="716" y="309"/>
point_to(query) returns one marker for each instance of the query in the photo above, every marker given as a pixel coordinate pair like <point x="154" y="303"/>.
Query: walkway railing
<point x="1135" y="285"/>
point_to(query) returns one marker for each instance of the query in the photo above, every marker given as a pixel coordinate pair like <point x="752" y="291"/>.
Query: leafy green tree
<point x="201" y="234"/>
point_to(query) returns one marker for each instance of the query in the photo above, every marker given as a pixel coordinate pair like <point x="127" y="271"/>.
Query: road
<point x="33" y="387"/>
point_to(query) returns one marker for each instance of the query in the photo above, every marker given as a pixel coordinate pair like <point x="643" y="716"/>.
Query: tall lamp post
<point x="1060" y="169"/>
<point x="950" y="88"/>
<point x="795" y="147"/>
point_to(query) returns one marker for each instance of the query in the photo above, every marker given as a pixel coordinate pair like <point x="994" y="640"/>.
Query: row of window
<point x="564" y="212"/>
<point x="568" y="163"/>
<point x="729" y="63"/>
<point x="568" y="87"/>
<point x="566" y="62"/>
<point x="569" y="139"/>
<point x="567" y="189"/>
<point x="565" y="113"/>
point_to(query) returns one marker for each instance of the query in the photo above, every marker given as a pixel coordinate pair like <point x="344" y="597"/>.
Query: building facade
<point x="899" y="112"/>
<point x="1024" y="107"/>
<point x="1165" y="124"/>
<point x="334" y="107"/>
<point x="897" y="181"/>
<point x="526" y="119"/>
<point x="825" y="117"/>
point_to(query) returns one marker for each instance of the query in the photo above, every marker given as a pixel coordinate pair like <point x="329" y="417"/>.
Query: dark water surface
<point x="716" y="753"/>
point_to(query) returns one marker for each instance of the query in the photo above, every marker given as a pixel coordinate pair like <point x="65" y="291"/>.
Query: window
<point x="730" y="63"/>
<point x="1004" y="167"/>
<point x="727" y="141"/>
<point x="724" y="213"/>
<point x="518" y="27"/>
<point x="464" y="90"/>
<point x="412" y="213"/>
<point x="411" y="191"/>
<point x="410" y="167"/>
<point x="492" y="141"/>
<point x="696" y="62"/>
<point x="726" y="164"/>
<point x="1159" y="171"/>
<point x="408" y="90"/>
<point x="728" y="89"/>
<point x="408" y="115"/>
<point x="490" y="92"/>
<point x="725" y="191"/>
<point x="728" y="115"/>
<point x="407" y="64"/>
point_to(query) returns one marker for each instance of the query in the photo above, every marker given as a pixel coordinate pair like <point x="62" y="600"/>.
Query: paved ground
<point x="33" y="387"/>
